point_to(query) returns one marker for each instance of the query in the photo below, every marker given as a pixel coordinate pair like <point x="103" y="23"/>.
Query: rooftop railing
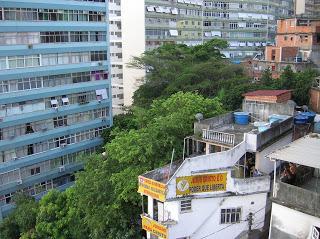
<point x="220" y="137"/>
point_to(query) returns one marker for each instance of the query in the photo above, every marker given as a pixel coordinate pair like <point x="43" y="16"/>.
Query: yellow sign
<point x="152" y="188"/>
<point x="154" y="228"/>
<point x="201" y="183"/>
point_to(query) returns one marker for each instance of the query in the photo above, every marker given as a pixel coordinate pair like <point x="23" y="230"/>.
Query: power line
<point x="233" y="224"/>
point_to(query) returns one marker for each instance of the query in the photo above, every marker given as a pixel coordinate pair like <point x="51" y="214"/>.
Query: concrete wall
<point x="287" y="223"/>
<point x="212" y="122"/>
<point x="274" y="132"/>
<point x="263" y="112"/>
<point x="205" y="215"/>
<point x="305" y="200"/>
<point x="133" y="44"/>
<point x="263" y="164"/>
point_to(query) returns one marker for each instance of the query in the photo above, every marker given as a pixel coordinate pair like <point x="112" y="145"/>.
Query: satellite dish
<point x="199" y="117"/>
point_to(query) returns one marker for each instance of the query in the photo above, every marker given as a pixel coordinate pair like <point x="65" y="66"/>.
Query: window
<point x="231" y="215"/>
<point x="30" y="149"/>
<point x="60" y="121"/>
<point x="35" y="171"/>
<point x="185" y="206"/>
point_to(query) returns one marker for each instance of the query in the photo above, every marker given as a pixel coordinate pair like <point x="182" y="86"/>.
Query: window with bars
<point x="230" y="215"/>
<point x="185" y="206"/>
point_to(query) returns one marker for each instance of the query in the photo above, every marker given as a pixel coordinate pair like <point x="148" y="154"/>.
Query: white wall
<point x="133" y="44"/>
<point x="289" y="223"/>
<point x="263" y="164"/>
<point x="204" y="217"/>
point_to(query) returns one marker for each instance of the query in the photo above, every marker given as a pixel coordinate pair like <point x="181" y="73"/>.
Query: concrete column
<point x="207" y="148"/>
<point x="150" y="212"/>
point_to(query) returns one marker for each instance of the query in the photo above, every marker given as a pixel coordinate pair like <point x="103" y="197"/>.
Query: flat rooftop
<point x="163" y="174"/>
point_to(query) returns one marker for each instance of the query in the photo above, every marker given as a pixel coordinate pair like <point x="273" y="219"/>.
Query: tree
<point x="172" y="68"/>
<point x="52" y="219"/>
<point x="266" y="80"/>
<point x="106" y="192"/>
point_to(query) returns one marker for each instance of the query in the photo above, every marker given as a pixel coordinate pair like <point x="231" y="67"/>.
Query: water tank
<point x="262" y="126"/>
<point x="310" y="115"/>
<point x="300" y="119"/>
<point x="241" y="118"/>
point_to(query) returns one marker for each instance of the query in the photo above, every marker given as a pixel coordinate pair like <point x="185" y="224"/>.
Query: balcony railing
<point x="220" y="137"/>
<point x="305" y="200"/>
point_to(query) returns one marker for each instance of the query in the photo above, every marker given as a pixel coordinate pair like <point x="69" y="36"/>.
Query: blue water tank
<point x="310" y="115"/>
<point x="241" y="118"/>
<point x="300" y="119"/>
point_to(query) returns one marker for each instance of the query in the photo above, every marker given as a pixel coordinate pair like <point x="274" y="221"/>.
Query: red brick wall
<point x="315" y="100"/>
<point x="270" y="99"/>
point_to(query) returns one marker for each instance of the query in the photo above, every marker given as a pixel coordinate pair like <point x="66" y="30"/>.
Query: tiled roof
<point x="266" y="93"/>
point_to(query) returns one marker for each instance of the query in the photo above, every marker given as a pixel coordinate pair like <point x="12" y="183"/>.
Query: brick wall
<point x="315" y="99"/>
<point x="270" y="99"/>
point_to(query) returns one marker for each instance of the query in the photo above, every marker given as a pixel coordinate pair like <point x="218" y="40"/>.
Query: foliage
<point x="172" y="68"/>
<point x="22" y="220"/>
<point x="109" y="185"/>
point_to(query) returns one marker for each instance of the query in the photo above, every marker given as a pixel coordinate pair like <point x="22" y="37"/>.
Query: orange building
<point x="297" y="45"/>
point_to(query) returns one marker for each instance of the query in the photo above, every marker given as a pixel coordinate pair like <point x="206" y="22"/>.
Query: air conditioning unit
<point x="30" y="46"/>
<point x="104" y="119"/>
<point x="19" y="182"/>
<point x="14" y="158"/>
<point x="3" y="107"/>
<point x="100" y="63"/>
<point x="44" y="128"/>
<point x="62" y="169"/>
<point x="12" y="136"/>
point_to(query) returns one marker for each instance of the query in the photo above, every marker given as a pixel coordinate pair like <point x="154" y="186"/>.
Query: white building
<point x="296" y="204"/>
<point x="219" y="190"/>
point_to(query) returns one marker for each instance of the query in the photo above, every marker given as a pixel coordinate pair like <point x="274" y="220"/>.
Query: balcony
<point x="220" y="137"/>
<point x="299" y="197"/>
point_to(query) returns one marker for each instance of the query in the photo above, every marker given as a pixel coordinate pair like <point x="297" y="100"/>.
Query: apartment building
<point x="247" y="26"/>
<point x="55" y="93"/>
<point x="115" y="32"/>
<point x="296" y="200"/>
<point x="223" y="179"/>
<point x="307" y="8"/>
<point x="297" y="45"/>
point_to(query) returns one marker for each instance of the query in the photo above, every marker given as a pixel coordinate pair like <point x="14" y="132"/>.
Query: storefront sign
<point x="152" y="188"/>
<point x="154" y="228"/>
<point x="201" y="183"/>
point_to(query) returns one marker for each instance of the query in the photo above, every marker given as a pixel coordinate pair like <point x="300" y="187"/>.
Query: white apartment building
<point x="296" y="204"/>
<point x="116" y="55"/>
<point x="219" y="188"/>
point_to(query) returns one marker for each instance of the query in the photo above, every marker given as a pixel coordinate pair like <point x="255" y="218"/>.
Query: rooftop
<point x="163" y="174"/>
<point x="267" y="93"/>
<point x="304" y="151"/>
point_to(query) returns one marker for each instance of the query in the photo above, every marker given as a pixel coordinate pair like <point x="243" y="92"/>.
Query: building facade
<point x="116" y="62"/>
<point x="55" y="93"/>
<point x="223" y="179"/>
<point x="247" y="26"/>
<point x="297" y="45"/>
<point x="307" y="8"/>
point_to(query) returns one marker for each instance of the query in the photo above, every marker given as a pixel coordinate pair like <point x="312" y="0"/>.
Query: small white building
<point x="219" y="189"/>
<point x="296" y="202"/>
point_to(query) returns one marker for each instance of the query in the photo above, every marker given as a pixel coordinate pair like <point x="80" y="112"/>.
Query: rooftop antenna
<point x="171" y="164"/>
